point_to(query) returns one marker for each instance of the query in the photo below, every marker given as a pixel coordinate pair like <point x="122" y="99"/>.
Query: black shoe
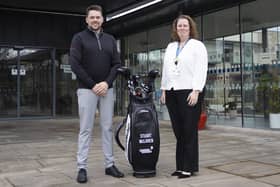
<point x="113" y="171"/>
<point x="176" y="173"/>
<point x="184" y="175"/>
<point x="82" y="176"/>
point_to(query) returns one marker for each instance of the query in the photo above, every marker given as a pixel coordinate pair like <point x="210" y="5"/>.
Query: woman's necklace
<point x="180" y="47"/>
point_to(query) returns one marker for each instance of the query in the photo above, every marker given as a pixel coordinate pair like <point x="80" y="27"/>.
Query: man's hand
<point x="101" y="88"/>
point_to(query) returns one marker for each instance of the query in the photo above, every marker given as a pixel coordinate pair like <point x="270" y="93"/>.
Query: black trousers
<point x="184" y="119"/>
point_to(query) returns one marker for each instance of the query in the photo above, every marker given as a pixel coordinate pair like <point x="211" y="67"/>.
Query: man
<point x="94" y="59"/>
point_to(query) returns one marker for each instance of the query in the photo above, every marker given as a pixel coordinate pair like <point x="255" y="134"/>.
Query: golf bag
<point x="142" y="129"/>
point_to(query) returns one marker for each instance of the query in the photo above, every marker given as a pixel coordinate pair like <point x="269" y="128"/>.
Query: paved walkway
<point x="43" y="153"/>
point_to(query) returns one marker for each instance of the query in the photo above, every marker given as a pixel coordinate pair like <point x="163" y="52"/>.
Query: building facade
<point x="36" y="79"/>
<point x="242" y="40"/>
<point x="244" y="67"/>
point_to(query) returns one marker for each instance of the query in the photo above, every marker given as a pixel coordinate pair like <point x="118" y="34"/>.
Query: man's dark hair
<point x="94" y="7"/>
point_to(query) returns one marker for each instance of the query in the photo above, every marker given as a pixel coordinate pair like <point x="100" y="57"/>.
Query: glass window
<point x="198" y="25"/>
<point x="36" y="84"/>
<point x="260" y="43"/>
<point x="8" y="82"/>
<point x="260" y="14"/>
<point x="26" y="82"/>
<point x="223" y="87"/>
<point x="144" y="52"/>
<point x="136" y="52"/>
<point x="66" y="86"/>
<point x="214" y="98"/>
<point x="221" y="23"/>
<point x="158" y="40"/>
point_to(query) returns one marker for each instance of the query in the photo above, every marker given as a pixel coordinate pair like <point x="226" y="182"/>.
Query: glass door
<point x="261" y="88"/>
<point x="36" y="85"/>
<point x="214" y="95"/>
<point x="223" y="95"/>
<point x="26" y="82"/>
<point x="232" y="72"/>
<point x="8" y="82"/>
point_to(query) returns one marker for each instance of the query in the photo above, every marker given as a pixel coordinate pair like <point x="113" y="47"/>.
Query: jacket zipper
<point x="98" y="41"/>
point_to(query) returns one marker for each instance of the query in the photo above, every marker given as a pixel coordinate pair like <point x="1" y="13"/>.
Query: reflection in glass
<point x="223" y="87"/>
<point x="260" y="35"/>
<point x="8" y="83"/>
<point x="144" y="52"/>
<point x="66" y="86"/>
<point x="26" y="91"/>
<point x="36" y="82"/>
<point x="214" y="96"/>
<point x="223" y="95"/>
<point x="155" y="62"/>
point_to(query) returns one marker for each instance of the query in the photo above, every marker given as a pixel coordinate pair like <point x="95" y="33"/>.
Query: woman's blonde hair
<point x="193" y="29"/>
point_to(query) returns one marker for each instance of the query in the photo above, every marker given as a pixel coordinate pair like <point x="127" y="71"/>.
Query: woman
<point x="183" y="80"/>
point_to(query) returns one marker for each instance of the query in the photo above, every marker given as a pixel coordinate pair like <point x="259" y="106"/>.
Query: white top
<point x="191" y="69"/>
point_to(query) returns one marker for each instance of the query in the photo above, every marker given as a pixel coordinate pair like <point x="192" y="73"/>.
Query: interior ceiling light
<point x="131" y="9"/>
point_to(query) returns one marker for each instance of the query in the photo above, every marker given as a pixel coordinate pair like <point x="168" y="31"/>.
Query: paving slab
<point x="42" y="153"/>
<point x="19" y="165"/>
<point x="249" y="169"/>
<point x="272" y="158"/>
<point x="232" y="182"/>
<point x="5" y="183"/>
<point x="39" y="179"/>
<point x="274" y="179"/>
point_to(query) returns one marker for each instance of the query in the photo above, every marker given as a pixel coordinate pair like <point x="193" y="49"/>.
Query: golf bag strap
<point x="117" y="138"/>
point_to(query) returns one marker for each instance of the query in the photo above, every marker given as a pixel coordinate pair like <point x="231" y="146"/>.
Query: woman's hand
<point x="162" y="97"/>
<point x="193" y="97"/>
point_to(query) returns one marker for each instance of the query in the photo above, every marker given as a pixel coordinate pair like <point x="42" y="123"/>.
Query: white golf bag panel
<point x="127" y="136"/>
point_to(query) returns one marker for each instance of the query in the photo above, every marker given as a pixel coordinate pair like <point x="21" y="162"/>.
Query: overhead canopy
<point x="67" y="6"/>
<point x="162" y="12"/>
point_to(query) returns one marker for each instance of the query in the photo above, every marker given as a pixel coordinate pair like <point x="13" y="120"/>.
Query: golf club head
<point x="124" y="71"/>
<point x="153" y="73"/>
